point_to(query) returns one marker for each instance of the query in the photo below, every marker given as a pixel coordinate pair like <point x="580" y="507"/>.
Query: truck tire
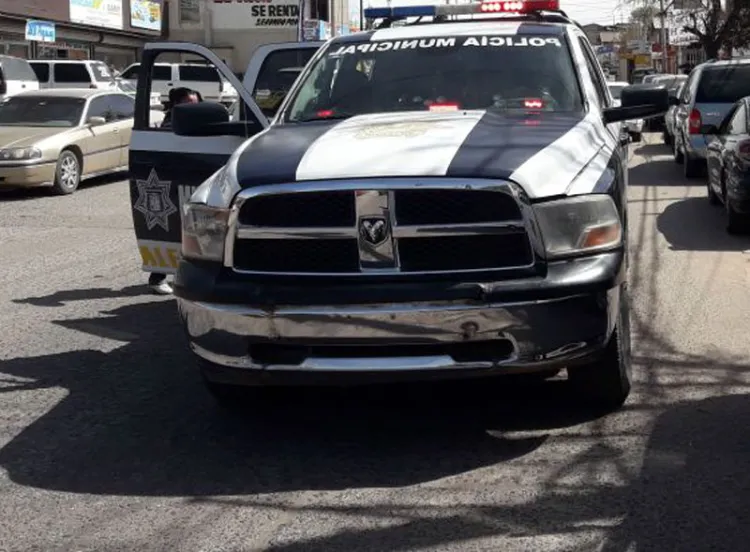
<point x="606" y="383"/>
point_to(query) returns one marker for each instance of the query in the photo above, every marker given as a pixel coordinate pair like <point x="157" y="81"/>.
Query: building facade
<point x="113" y="31"/>
<point x="233" y="29"/>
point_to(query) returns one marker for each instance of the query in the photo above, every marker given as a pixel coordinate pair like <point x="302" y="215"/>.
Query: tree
<point x="713" y="23"/>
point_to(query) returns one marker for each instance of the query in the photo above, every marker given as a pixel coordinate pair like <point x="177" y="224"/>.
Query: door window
<point x="123" y="107"/>
<point x="42" y="71"/>
<point x="595" y="73"/>
<point x="199" y="73"/>
<point x="71" y="73"/>
<point x="276" y="76"/>
<point x="131" y="73"/>
<point x="100" y="107"/>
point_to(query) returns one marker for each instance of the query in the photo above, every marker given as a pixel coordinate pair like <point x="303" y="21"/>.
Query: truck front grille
<point x="378" y="230"/>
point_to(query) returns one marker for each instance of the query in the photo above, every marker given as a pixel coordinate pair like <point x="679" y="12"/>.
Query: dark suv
<point x="708" y="95"/>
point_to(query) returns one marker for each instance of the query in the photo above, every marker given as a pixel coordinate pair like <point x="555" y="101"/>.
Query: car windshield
<point x="126" y="86"/>
<point x="616" y="90"/>
<point x="725" y="84"/>
<point x="501" y="72"/>
<point x="41" y="111"/>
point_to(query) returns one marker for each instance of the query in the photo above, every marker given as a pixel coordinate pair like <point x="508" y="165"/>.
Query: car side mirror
<point x="639" y="101"/>
<point x="709" y="130"/>
<point x="96" y="121"/>
<point x="206" y="119"/>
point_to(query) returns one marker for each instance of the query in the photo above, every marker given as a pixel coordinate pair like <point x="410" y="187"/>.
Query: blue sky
<point x="604" y="12"/>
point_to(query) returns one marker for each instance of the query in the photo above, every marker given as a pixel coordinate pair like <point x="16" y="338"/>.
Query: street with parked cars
<point x="340" y="303"/>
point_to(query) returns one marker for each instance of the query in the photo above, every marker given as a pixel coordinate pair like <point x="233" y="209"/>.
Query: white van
<point x="69" y="73"/>
<point x="16" y="76"/>
<point x="196" y="76"/>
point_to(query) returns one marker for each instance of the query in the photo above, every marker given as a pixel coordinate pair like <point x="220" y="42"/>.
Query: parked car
<point x="649" y="77"/>
<point x="669" y="121"/>
<point x="638" y="75"/>
<point x="635" y="127"/>
<point x="709" y="93"/>
<point x="73" y="73"/>
<point x="728" y="161"/>
<point x="60" y="137"/>
<point x="196" y="76"/>
<point x="16" y="76"/>
<point x="671" y="83"/>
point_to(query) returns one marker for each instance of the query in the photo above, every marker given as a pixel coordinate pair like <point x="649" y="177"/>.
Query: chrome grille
<point x="379" y="227"/>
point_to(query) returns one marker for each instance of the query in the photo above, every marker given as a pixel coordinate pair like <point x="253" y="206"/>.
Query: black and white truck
<point x="441" y="196"/>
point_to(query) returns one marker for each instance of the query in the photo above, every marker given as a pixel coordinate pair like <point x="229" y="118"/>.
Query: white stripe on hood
<point x="388" y="144"/>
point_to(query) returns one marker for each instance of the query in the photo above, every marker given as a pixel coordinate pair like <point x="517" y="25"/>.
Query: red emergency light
<point x="519" y="6"/>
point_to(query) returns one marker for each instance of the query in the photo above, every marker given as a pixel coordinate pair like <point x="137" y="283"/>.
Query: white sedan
<point x="635" y="127"/>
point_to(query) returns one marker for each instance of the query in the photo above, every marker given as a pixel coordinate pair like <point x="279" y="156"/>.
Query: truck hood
<point x="543" y="153"/>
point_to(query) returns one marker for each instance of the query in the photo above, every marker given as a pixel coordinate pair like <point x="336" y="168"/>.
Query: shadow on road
<point x="650" y="148"/>
<point x="659" y="172"/>
<point x="138" y="421"/>
<point x="692" y="493"/>
<point x="25" y="194"/>
<point x="693" y="225"/>
<point x="60" y="298"/>
<point x="694" y="489"/>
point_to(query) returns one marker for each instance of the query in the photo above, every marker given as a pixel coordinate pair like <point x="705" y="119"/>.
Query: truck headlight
<point x="581" y="224"/>
<point x="204" y="230"/>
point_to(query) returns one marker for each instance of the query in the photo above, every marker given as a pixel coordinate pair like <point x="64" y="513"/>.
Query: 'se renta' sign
<point x="250" y="14"/>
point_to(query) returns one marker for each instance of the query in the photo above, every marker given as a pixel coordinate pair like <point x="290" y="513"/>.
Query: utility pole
<point x="664" y="45"/>
<point x="331" y="18"/>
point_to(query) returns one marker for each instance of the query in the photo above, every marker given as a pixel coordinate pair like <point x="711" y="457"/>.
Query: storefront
<point x="12" y="44"/>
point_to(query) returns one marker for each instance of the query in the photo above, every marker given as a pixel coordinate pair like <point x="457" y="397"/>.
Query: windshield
<point x="41" y="111"/>
<point x="126" y="86"/>
<point x="724" y="84"/>
<point x="616" y="90"/>
<point x="518" y="72"/>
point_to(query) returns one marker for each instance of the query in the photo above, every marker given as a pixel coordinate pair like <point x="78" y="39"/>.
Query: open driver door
<point x="165" y="168"/>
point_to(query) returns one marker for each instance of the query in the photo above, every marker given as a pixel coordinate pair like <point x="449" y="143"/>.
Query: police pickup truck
<point x="443" y="195"/>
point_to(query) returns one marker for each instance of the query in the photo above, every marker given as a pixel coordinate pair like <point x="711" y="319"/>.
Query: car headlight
<point x="205" y="218"/>
<point x="581" y="224"/>
<point x="20" y="154"/>
<point x="204" y="230"/>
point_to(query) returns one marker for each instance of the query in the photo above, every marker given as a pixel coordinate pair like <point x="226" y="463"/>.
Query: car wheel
<point x="713" y="199"/>
<point x="67" y="173"/>
<point x="237" y="398"/>
<point x="679" y="158"/>
<point x="607" y="382"/>
<point x="736" y="223"/>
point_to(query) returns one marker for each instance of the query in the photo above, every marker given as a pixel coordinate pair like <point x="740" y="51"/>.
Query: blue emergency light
<point x="485" y="7"/>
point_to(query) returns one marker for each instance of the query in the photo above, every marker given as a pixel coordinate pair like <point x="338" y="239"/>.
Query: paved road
<point x="108" y="441"/>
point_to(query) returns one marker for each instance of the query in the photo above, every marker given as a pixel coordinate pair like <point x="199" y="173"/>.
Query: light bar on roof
<point x="487" y="6"/>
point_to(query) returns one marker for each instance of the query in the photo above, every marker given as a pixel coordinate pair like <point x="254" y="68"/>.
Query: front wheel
<point x="607" y="382"/>
<point x="67" y="173"/>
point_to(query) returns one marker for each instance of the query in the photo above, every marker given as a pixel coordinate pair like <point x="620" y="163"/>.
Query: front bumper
<point x="514" y="327"/>
<point x="27" y="174"/>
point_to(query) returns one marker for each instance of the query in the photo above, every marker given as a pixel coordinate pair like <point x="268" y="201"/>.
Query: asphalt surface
<point x="108" y="441"/>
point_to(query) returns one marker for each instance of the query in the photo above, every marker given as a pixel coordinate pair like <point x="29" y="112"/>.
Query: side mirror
<point x="639" y="101"/>
<point x="205" y="119"/>
<point x="96" y="121"/>
<point x="709" y="130"/>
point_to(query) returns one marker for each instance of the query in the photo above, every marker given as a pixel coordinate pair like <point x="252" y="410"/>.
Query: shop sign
<point x="97" y="13"/>
<point x="145" y="14"/>
<point x="40" y="31"/>
<point x="310" y="30"/>
<point x="255" y="14"/>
